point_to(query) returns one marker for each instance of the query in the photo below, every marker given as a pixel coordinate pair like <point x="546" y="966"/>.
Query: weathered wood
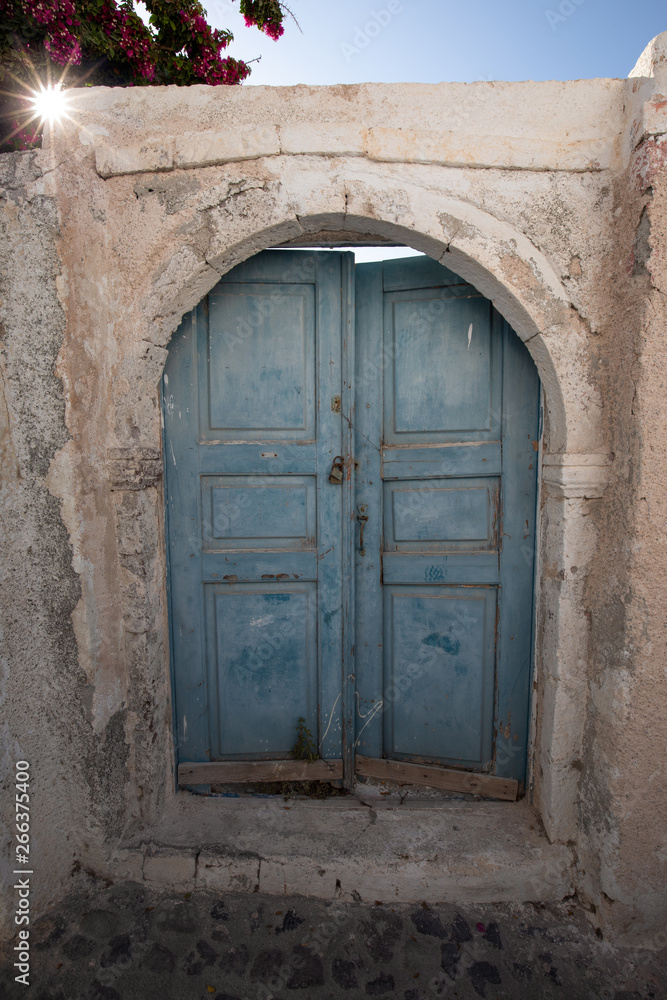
<point x="438" y="777"/>
<point x="444" y="615"/>
<point x="267" y="578"/>
<point x="236" y="771"/>
<point x="254" y="526"/>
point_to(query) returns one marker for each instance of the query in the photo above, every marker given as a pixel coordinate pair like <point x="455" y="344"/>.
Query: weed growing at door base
<point x="304" y="749"/>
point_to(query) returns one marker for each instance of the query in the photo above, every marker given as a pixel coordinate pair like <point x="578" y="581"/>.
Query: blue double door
<point x="350" y="469"/>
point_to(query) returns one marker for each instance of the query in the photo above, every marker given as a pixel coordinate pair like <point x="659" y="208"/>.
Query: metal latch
<point x="337" y="473"/>
<point x="362" y="518"/>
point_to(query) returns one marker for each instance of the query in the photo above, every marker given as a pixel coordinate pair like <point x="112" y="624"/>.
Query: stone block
<point x="322" y="140"/>
<point x="201" y="149"/>
<point x="577" y="476"/>
<point x="484" y="150"/>
<point x="171" y="871"/>
<point x="127" y="866"/>
<point x="272" y="878"/>
<point x="653" y="121"/>
<point x="223" y="874"/>
<point x="153" y="155"/>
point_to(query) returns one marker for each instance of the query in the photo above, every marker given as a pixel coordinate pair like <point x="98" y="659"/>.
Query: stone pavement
<point x="126" y="942"/>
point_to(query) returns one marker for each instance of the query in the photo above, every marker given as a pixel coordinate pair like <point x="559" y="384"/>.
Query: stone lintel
<point x="389" y="145"/>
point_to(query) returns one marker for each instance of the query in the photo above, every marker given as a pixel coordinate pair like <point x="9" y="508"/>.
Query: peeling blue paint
<point x="443" y="642"/>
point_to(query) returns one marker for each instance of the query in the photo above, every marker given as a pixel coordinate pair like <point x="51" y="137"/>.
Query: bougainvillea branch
<point x="105" y="42"/>
<point x="266" y="14"/>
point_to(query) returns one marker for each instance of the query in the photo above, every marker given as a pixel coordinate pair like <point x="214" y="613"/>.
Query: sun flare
<point x="50" y="103"/>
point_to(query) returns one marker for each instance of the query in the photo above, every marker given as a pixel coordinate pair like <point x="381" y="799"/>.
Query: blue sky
<point x="353" y="41"/>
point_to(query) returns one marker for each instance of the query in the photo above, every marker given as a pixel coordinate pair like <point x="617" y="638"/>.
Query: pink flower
<point x="274" y="31"/>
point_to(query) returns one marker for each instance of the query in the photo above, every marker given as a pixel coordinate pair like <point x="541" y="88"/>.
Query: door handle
<point x="362" y="518"/>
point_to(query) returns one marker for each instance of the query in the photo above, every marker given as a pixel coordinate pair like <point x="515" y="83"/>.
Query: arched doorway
<point x="351" y="529"/>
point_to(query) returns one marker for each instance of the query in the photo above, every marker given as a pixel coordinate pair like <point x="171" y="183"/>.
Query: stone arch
<point x="489" y="253"/>
<point x="292" y="205"/>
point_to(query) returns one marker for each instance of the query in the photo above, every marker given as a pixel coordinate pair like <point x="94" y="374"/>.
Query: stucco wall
<point x="551" y="199"/>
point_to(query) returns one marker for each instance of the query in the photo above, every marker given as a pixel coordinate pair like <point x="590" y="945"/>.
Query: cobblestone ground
<point x="126" y="942"/>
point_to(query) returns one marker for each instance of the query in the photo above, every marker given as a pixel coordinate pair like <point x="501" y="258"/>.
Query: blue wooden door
<point x="253" y="424"/>
<point x="433" y="422"/>
<point x="447" y="402"/>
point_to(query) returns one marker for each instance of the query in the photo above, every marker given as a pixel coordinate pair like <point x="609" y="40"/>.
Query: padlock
<point x="337" y="473"/>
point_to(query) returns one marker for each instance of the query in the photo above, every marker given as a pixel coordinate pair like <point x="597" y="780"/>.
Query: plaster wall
<point x="551" y="198"/>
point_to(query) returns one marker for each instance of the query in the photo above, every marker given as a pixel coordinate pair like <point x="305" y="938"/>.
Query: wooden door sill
<point x="426" y="775"/>
<point x="487" y="785"/>
<point x="245" y="772"/>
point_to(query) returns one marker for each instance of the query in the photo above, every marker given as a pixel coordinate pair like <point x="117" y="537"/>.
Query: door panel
<point x="440" y="515"/>
<point x="440" y="382"/>
<point x="479" y="458"/>
<point x="445" y="441"/>
<point x="464" y="568"/>
<point x="439" y="673"/>
<point x="259" y="348"/>
<point x="250" y="512"/>
<point x="255" y="526"/>
<point x="261" y="649"/>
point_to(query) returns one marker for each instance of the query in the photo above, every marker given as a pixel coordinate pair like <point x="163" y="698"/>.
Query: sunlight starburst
<point x="50" y="103"/>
